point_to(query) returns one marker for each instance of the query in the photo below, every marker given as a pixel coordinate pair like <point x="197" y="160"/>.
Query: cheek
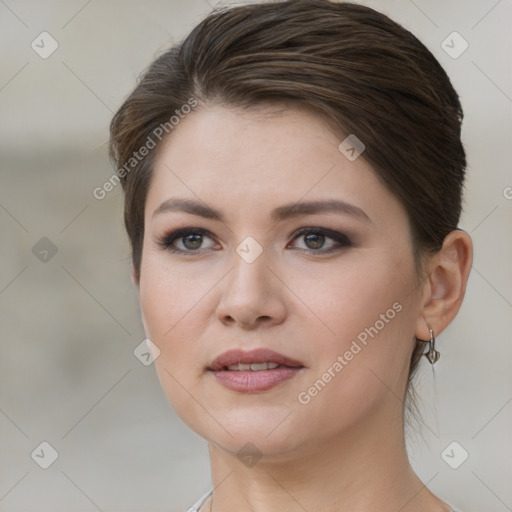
<point x="365" y="363"/>
<point x="176" y="308"/>
<point x="165" y="304"/>
<point x="168" y="297"/>
<point x="366" y="314"/>
<point x="351" y="296"/>
<point x="170" y="302"/>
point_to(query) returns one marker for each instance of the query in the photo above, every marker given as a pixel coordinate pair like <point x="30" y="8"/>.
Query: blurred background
<point x="73" y="396"/>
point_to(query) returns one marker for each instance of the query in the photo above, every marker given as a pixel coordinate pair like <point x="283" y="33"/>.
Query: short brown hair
<point x="350" y="64"/>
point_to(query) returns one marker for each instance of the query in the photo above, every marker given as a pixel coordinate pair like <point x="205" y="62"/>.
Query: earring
<point x="432" y="355"/>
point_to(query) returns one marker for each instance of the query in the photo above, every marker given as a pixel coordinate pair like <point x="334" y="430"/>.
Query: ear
<point x="448" y="273"/>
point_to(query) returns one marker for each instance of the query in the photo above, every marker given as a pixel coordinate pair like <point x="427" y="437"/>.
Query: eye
<point x="185" y="241"/>
<point x="315" y="240"/>
<point x="191" y="240"/>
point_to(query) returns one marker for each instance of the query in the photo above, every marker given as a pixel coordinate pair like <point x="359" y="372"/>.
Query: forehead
<point x="250" y="159"/>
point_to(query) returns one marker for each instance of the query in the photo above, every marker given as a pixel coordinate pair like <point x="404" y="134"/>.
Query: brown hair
<point x="350" y="64"/>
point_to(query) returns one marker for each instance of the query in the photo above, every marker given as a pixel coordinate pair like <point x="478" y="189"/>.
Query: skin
<point x="345" y="449"/>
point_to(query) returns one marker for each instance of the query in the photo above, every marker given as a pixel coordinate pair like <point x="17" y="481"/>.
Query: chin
<point x="253" y="445"/>
<point x="270" y="429"/>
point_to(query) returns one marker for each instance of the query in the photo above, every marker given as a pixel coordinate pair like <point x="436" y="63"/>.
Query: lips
<point x="252" y="360"/>
<point x="253" y="371"/>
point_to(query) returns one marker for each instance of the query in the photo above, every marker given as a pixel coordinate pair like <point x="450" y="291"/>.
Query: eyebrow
<point x="280" y="213"/>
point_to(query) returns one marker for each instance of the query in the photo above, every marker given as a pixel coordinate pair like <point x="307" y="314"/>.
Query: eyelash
<point x="342" y="241"/>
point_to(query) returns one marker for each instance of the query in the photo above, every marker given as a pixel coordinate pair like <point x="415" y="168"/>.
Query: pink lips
<point x="260" y="355"/>
<point x="253" y="381"/>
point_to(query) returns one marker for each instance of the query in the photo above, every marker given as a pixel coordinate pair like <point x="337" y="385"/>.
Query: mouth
<point x="252" y="360"/>
<point x="253" y="371"/>
<point x="252" y="367"/>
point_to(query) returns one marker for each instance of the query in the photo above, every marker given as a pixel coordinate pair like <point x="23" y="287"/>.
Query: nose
<point x="252" y="295"/>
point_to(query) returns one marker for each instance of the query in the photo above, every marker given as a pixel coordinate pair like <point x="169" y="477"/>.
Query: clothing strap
<point x="197" y="505"/>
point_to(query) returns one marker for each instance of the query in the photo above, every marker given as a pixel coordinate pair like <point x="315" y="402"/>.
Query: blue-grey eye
<point x="315" y="240"/>
<point x="192" y="241"/>
<point x="186" y="241"/>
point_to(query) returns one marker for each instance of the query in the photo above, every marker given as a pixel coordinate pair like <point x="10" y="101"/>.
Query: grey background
<point x="69" y="325"/>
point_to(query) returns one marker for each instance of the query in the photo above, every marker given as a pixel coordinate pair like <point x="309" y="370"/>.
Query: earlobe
<point x="446" y="284"/>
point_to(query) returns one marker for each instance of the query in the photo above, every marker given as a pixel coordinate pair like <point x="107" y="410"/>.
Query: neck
<point x="364" y="469"/>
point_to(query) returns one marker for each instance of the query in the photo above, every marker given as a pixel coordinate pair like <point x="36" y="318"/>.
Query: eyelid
<point x="316" y="229"/>
<point x="169" y="238"/>
<point x="342" y="240"/>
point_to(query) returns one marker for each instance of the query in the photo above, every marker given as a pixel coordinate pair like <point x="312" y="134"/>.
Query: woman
<point x="293" y="176"/>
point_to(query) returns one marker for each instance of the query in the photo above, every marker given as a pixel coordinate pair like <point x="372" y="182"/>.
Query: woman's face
<point x="333" y="291"/>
